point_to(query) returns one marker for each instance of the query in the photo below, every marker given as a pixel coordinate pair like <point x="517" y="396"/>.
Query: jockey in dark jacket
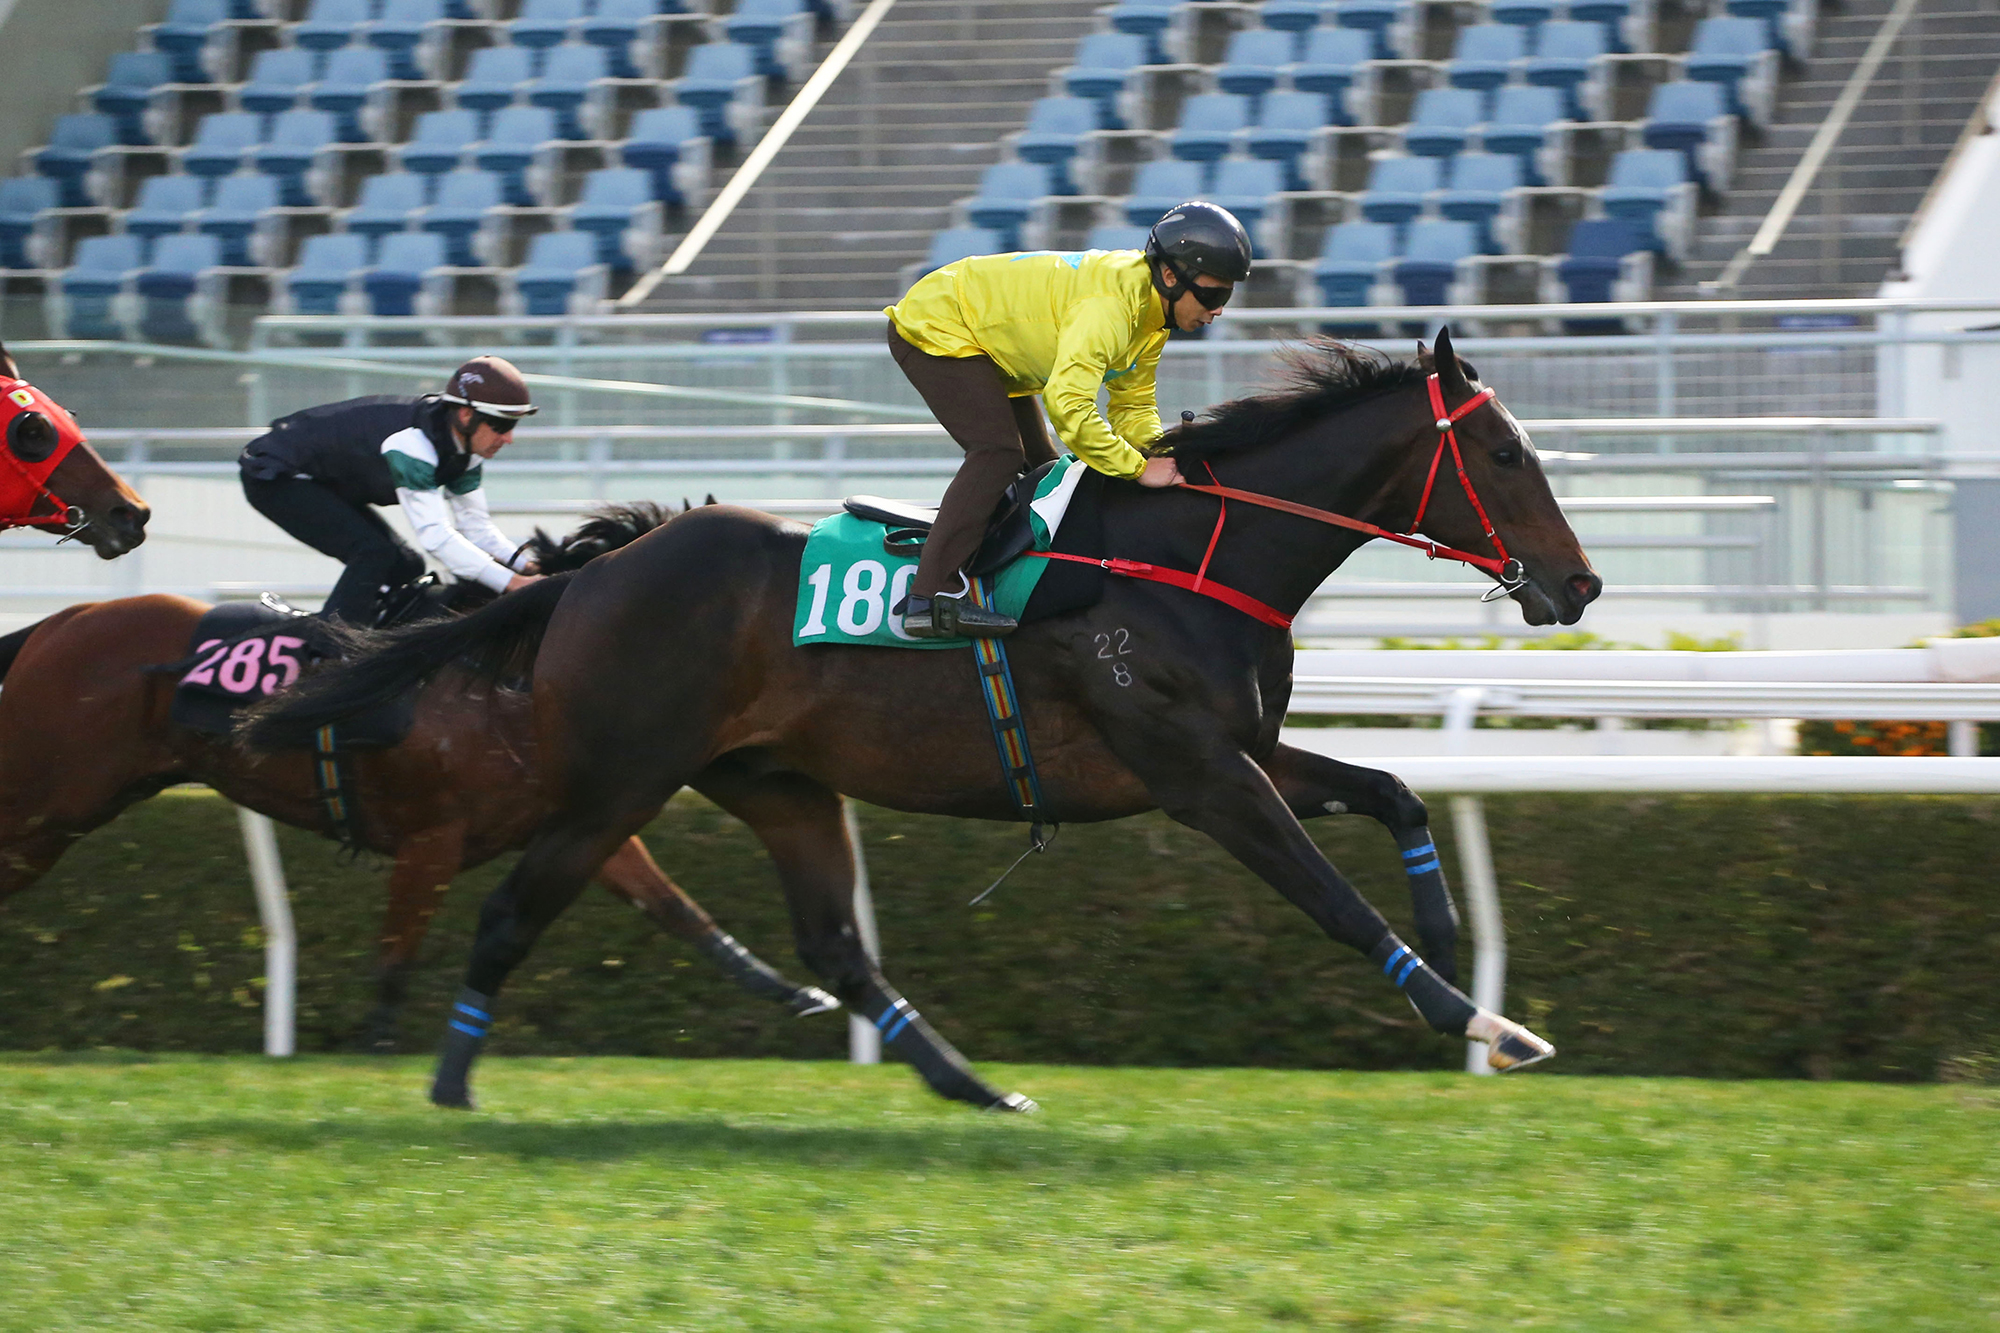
<point x="318" y="473"/>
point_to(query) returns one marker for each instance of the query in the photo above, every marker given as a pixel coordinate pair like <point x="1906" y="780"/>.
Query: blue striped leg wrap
<point x="1401" y="963"/>
<point x="470" y="1019"/>
<point x="894" y="1019"/>
<point x="1421" y="860"/>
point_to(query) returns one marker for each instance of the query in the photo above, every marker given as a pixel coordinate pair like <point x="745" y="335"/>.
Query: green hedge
<point x="1771" y="936"/>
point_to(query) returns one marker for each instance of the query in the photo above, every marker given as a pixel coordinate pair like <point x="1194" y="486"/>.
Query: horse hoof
<point x="1017" y="1104"/>
<point x="1517" y="1049"/>
<point x="809" y="1000"/>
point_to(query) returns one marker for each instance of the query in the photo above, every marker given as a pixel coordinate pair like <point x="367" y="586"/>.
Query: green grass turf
<point x="224" y="1193"/>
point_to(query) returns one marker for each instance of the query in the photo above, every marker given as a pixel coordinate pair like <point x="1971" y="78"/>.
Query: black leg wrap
<point x="907" y="1035"/>
<point x="760" y="978"/>
<point x="1430" y="897"/>
<point x="471" y="1016"/>
<point x="1440" y="1003"/>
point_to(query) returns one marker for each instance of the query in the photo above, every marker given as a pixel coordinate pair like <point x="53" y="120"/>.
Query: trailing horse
<point x="86" y="730"/>
<point x="672" y="663"/>
<point x="51" y="478"/>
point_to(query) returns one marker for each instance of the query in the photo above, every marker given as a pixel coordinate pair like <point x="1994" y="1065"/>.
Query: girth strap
<point x="1010" y="736"/>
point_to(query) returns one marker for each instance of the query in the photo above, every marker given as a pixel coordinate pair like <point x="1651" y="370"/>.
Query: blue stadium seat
<point x="1147" y="20"/>
<point x="240" y="213"/>
<point x="1116" y="236"/>
<point x="1255" y="57"/>
<point x="325" y="273"/>
<point x="1521" y="124"/>
<point x="1790" y="23"/>
<point x="1485" y="55"/>
<point x="345" y="87"/>
<point x="1521" y="13"/>
<point x="1616" y="17"/>
<point x="1398" y="187"/>
<point x="176" y="292"/>
<point x="1102" y="71"/>
<point x="1351" y="262"/>
<point x="519" y="136"/>
<point x="464" y="213"/>
<point x="86" y="298"/>
<point x="544" y="23"/>
<point x="1209" y="125"/>
<point x="1692" y="119"/>
<point x="1389" y="23"/>
<point x="388" y="203"/>
<point x="617" y="208"/>
<point x="1329" y="63"/>
<point x="1058" y="128"/>
<point x="722" y="84"/>
<point x="1161" y="184"/>
<point x="493" y="78"/>
<point x="1650" y="188"/>
<point x="1244" y="186"/>
<point x="1736" y="54"/>
<point x="71" y="151"/>
<point x="667" y="141"/>
<point x="166" y="204"/>
<point x="623" y="29"/>
<point x="956" y="243"/>
<point x="1478" y="191"/>
<point x="1008" y="193"/>
<point x="220" y="142"/>
<point x="292" y="154"/>
<point x="185" y="37"/>
<point x="779" y="31"/>
<point x="408" y="33"/>
<point x="439" y="142"/>
<point x="127" y="91"/>
<point x="1433" y="257"/>
<point x="1570" y="56"/>
<point x="562" y="275"/>
<point x="1443" y="120"/>
<point x="1287" y="132"/>
<point x="1296" y="15"/>
<point x="572" y="85"/>
<point x="1600" y="262"/>
<point x="277" y="77"/>
<point x="331" y="24"/>
<point x="404" y="267"/>
<point x="22" y="198"/>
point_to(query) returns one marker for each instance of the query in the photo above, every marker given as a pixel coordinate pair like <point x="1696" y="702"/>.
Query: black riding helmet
<point x="1197" y="237"/>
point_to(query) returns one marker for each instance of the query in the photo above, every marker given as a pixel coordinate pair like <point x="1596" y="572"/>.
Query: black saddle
<point x="242" y="652"/>
<point x="1008" y="532"/>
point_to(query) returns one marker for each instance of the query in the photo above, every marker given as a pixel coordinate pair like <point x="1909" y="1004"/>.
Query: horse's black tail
<point x="11" y="644"/>
<point x="498" y="641"/>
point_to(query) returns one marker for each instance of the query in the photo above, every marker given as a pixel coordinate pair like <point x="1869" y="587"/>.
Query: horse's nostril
<point x="1586" y="586"/>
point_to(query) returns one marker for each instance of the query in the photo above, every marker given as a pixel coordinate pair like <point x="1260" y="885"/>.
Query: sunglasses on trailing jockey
<point x="498" y="425"/>
<point x="1211" y="298"/>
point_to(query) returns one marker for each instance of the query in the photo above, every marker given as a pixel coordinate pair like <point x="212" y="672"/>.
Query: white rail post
<point x="281" y="943"/>
<point x="1482" y="885"/>
<point x="864" y="1040"/>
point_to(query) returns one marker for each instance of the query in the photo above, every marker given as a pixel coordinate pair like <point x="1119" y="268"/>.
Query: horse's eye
<point x="1507" y="457"/>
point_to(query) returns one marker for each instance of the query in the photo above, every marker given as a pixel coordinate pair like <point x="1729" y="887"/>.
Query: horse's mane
<point x="607" y="528"/>
<point x="1323" y="376"/>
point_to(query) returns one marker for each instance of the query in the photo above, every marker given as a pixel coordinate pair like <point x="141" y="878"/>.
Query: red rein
<point x="1503" y="568"/>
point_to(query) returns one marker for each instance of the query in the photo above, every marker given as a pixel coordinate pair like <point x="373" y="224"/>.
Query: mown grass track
<point x="323" y="1194"/>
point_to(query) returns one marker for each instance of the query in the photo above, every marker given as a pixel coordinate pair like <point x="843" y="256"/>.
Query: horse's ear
<point x="1425" y="362"/>
<point x="1450" y="374"/>
<point x="7" y="366"/>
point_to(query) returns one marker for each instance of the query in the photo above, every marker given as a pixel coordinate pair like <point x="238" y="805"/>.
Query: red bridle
<point x="24" y="486"/>
<point x="1504" y="568"/>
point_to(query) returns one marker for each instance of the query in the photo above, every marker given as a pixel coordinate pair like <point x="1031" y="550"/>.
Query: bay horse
<point x="85" y="732"/>
<point x="51" y="478"/>
<point x="671" y="664"/>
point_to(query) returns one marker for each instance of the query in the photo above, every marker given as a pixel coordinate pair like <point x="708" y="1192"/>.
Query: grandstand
<point x="532" y="156"/>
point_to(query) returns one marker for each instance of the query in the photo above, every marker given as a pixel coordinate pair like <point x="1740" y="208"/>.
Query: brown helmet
<point x="490" y="385"/>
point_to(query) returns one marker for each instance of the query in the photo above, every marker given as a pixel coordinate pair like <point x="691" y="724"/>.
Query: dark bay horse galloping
<point x="85" y="732"/>
<point x="670" y="664"/>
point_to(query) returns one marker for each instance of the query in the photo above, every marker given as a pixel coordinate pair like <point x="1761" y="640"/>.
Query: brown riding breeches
<point x="1002" y="438"/>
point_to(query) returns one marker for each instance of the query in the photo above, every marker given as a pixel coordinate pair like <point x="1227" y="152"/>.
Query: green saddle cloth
<point x="848" y="582"/>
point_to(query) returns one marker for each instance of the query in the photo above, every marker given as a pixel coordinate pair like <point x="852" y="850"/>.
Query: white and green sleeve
<point x="413" y="466"/>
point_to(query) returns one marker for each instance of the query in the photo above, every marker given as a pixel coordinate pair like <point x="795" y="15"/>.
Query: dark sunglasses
<point x="1211" y="298"/>
<point x="498" y="425"/>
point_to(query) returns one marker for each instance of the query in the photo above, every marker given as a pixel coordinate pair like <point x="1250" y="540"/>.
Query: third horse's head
<point x="1503" y="471"/>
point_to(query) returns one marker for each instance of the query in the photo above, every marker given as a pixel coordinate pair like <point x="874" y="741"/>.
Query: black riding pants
<point x="376" y="558"/>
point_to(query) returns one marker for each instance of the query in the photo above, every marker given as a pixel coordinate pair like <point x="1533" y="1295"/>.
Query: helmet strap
<point x="1171" y="293"/>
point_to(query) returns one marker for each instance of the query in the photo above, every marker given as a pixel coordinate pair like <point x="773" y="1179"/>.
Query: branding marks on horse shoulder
<point x="1112" y="645"/>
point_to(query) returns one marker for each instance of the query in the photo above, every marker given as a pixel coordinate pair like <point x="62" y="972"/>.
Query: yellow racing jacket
<point x="1059" y="325"/>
